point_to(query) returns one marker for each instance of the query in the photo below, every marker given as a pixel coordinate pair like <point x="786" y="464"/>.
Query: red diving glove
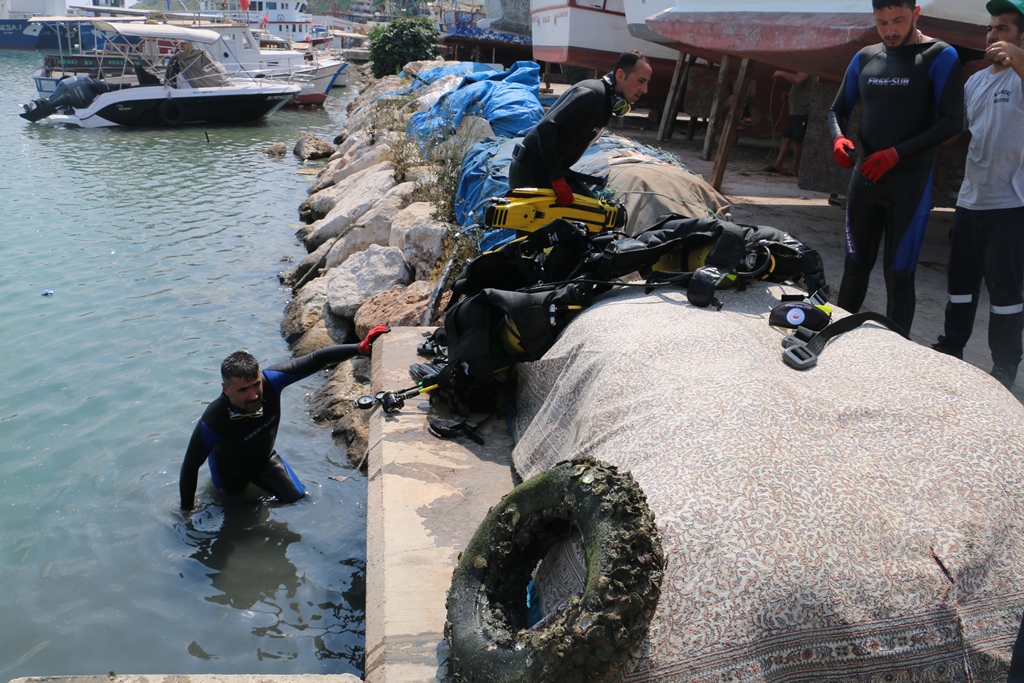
<point x="878" y="164"/>
<point x="364" y="346"/>
<point x="563" y="193"/>
<point x="839" y="151"/>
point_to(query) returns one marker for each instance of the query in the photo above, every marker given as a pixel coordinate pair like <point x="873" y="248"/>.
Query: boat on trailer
<point x="818" y="37"/>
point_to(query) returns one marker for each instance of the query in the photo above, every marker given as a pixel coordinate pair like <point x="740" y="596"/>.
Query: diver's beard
<point x="912" y="34"/>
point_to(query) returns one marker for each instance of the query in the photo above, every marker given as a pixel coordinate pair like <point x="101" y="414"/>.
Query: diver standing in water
<point x="574" y="122"/>
<point x="238" y="429"/>
<point x="910" y="88"/>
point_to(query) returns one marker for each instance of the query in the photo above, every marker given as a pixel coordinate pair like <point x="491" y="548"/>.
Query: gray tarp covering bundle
<point x="198" y="69"/>
<point x="861" y="520"/>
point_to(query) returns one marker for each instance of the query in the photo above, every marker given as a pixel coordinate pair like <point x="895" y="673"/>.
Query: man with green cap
<point x="988" y="226"/>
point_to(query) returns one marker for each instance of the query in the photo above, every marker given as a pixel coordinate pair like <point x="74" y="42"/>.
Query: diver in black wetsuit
<point x="573" y="123"/>
<point x="238" y="429"/>
<point x="911" y="91"/>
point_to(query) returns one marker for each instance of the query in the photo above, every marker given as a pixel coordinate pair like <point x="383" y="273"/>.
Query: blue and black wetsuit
<point x="912" y="99"/>
<point x="240" y="446"/>
<point x="559" y="139"/>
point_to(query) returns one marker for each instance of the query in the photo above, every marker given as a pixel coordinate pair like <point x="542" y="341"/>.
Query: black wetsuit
<point x="240" y="446"/>
<point x="912" y="99"/>
<point x="569" y="127"/>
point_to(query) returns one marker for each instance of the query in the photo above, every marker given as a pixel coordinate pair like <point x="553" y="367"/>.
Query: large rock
<point x="308" y="322"/>
<point x="340" y="168"/>
<point x="318" y="205"/>
<point x="413" y="69"/>
<point x="399" y="306"/>
<point x="357" y="198"/>
<point x="473" y="129"/>
<point x="308" y="267"/>
<point x="419" y="237"/>
<point x="435" y="90"/>
<point x="314" y="339"/>
<point x="309" y="146"/>
<point x="351" y="284"/>
<point x="373" y="227"/>
<point x="359" y="140"/>
<point x="305" y="310"/>
<point x="336" y="403"/>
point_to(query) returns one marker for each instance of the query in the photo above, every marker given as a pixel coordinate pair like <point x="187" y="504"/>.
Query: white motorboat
<point x="195" y="89"/>
<point x="237" y="49"/>
<point x="241" y="53"/>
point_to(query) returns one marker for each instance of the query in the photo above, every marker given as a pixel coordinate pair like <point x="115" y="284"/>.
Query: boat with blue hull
<point x="18" y="33"/>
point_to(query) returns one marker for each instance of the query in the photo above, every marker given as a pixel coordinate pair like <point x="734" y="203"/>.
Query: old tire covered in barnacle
<point x="593" y="636"/>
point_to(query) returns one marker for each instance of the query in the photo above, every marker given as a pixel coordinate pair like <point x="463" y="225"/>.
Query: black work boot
<point x="1006" y="374"/>
<point x="942" y="347"/>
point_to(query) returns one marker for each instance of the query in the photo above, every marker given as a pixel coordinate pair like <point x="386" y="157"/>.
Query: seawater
<point x="162" y="249"/>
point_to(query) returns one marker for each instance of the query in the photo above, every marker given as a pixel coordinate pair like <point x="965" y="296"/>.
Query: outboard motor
<point x="70" y="93"/>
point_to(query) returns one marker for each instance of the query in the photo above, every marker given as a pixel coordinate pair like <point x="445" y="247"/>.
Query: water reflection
<point x="248" y="556"/>
<point x="244" y="551"/>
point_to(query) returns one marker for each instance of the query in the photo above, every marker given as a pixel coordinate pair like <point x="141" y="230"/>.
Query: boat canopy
<point x="160" y="31"/>
<point x="48" y="19"/>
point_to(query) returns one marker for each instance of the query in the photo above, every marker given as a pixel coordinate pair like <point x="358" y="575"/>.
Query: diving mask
<point x="620" y="107"/>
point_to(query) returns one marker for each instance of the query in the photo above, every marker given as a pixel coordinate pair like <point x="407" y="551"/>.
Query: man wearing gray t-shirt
<point x="988" y="226"/>
<point x="796" y="123"/>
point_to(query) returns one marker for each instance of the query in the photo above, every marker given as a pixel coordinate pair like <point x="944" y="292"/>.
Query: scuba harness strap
<point x="803" y="347"/>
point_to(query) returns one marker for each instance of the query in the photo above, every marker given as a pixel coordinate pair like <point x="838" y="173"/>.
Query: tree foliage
<point x="400" y="42"/>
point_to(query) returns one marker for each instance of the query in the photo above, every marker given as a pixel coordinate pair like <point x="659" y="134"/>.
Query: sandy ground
<point x="767" y="199"/>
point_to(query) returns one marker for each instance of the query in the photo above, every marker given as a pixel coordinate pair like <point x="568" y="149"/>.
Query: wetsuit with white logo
<point x="240" y="446"/>
<point x="569" y="127"/>
<point x="911" y="99"/>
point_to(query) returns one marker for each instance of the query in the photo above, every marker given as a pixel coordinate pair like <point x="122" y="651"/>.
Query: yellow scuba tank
<point x="528" y="209"/>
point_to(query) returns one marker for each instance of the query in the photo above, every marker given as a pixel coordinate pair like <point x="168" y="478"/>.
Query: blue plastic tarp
<point x="428" y="76"/>
<point x="484" y="175"/>
<point x="506" y="99"/>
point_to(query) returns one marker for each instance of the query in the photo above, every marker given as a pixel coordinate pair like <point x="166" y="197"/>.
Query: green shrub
<point x="400" y="42"/>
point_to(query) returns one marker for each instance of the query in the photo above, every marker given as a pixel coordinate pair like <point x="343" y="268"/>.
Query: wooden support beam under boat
<point x="721" y="88"/>
<point x="680" y="77"/>
<point x="733" y="120"/>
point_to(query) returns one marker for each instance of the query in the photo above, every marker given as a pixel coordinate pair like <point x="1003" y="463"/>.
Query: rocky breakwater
<point x="375" y="233"/>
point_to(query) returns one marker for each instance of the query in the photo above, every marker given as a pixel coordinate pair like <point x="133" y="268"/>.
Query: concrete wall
<point x="426" y="497"/>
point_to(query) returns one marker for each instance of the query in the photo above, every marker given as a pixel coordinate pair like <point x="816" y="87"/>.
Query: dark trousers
<point x="893" y="214"/>
<point x="989" y="246"/>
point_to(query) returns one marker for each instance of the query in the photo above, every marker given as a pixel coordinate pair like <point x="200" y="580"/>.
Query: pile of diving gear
<point x="509" y="305"/>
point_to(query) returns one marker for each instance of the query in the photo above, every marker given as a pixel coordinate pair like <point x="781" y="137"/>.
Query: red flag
<point x="265" y="20"/>
<point x="244" y="4"/>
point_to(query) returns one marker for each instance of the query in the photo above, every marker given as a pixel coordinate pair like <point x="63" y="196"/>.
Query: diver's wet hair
<point x="239" y="365"/>
<point x="628" y="59"/>
<point x="886" y="4"/>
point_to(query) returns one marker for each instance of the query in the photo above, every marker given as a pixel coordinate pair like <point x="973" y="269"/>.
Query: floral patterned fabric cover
<point x="862" y="520"/>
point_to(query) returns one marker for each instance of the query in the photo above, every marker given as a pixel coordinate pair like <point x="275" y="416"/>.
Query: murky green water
<point x="162" y="250"/>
